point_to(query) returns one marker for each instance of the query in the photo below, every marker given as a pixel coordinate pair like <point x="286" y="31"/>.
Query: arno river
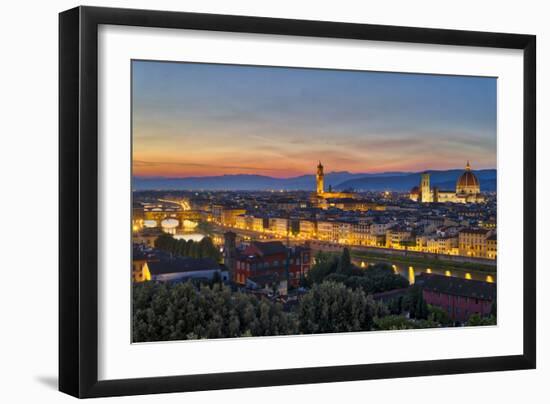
<point x="413" y="270"/>
<point x="409" y="271"/>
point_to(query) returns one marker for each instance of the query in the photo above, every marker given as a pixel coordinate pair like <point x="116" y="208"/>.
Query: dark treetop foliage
<point x="338" y="301"/>
<point x="163" y="311"/>
<point x="331" y="307"/>
<point x="376" y="278"/>
<point x="202" y="249"/>
<point x="182" y="311"/>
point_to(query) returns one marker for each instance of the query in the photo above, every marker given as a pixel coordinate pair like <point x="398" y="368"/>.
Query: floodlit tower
<point x="320" y="179"/>
<point x="425" y="190"/>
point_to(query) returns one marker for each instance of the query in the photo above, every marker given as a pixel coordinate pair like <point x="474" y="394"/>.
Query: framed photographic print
<point x="251" y="201"/>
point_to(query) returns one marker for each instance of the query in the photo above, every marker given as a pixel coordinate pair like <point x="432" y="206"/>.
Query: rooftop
<point x="474" y="231"/>
<point x="457" y="286"/>
<point x="181" y="264"/>
<point x="270" y="247"/>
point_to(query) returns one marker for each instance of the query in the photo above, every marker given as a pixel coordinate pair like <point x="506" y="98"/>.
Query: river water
<point x="410" y="272"/>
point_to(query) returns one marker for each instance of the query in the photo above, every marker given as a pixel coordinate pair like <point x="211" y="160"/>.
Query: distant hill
<point x="394" y="181"/>
<point x="445" y="180"/>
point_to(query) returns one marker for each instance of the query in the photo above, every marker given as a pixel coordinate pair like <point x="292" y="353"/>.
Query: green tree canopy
<point x="202" y="249"/>
<point x="163" y="312"/>
<point x="331" y="307"/>
<point x="477" y="320"/>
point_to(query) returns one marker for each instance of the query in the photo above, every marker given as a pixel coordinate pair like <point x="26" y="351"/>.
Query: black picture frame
<point x="78" y="201"/>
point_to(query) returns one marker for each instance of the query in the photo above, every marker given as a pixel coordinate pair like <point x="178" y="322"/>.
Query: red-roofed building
<point x="459" y="297"/>
<point x="264" y="258"/>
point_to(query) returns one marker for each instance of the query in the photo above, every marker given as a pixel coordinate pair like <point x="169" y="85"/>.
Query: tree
<point x="216" y="278"/>
<point x="166" y="243"/>
<point x="202" y="249"/>
<point x="415" y="304"/>
<point x="205" y="228"/>
<point x="208" y="249"/>
<point x="440" y="316"/>
<point x="494" y="309"/>
<point x="376" y="278"/>
<point x="163" y="312"/>
<point x="344" y="263"/>
<point x="477" y="320"/>
<point x="331" y="307"/>
<point x="395" y="306"/>
<point x="393" y="322"/>
<point x="325" y="264"/>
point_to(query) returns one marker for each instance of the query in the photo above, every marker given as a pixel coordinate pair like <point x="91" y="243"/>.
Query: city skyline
<point x="195" y="120"/>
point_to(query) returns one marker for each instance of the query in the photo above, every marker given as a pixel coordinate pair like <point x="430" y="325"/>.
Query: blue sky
<point x="205" y="119"/>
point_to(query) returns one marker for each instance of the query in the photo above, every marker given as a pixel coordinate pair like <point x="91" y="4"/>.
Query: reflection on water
<point x="411" y="272"/>
<point x="411" y="275"/>
<point x="169" y="223"/>
<point x="189" y="236"/>
<point x="189" y="224"/>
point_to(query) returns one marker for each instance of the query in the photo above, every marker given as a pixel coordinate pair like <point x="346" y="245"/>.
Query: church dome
<point x="467" y="183"/>
<point x="415" y="191"/>
<point x="468" y="179"/>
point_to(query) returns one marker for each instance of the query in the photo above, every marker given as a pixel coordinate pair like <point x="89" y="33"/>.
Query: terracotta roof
<point x="181" y="264"/>
<point x="467" y="178"/>
<point x="457" y="286"/>
<point x="270" y="247"/>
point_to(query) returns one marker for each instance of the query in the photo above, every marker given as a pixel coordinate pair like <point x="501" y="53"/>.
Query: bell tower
<point x="425" y="190"/>
<point x="320" y="179"/>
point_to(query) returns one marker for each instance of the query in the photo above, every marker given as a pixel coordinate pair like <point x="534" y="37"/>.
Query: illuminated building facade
<point x="397" y="236"/>
<point x="308" y="229"/>
<point x="229" y="216"/>
<point x="492" y="247"/>
<point x="140" y="270"/>
<point x="473" y="242"/>
<point x="320" y="197"/>
<point x="279" y="226"/>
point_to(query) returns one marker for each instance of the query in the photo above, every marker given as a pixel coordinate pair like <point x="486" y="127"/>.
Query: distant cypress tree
<point x="344" y="263"/>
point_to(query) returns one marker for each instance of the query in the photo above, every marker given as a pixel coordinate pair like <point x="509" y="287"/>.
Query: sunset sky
<point x="203" y="119"/>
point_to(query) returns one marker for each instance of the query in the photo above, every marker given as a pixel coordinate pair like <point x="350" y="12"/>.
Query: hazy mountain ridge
<point x="393" y="181"/>
<point x="445" y="180"/>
